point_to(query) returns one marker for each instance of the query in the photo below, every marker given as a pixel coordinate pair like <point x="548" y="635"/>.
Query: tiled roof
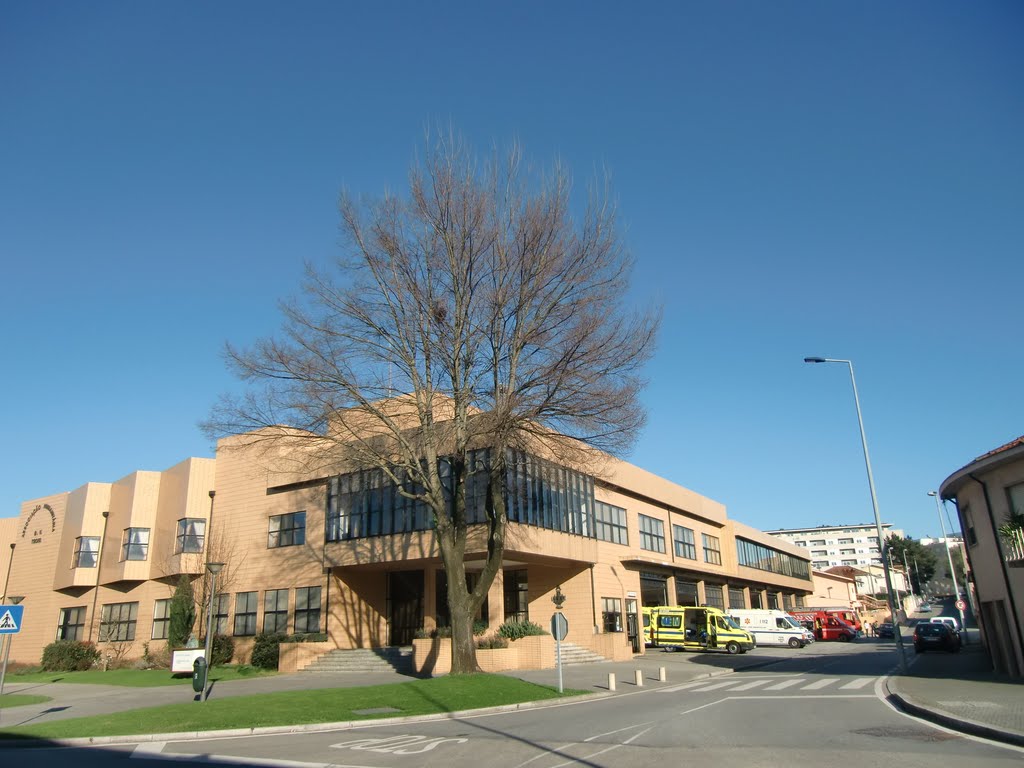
<point x="1012" y="444"/>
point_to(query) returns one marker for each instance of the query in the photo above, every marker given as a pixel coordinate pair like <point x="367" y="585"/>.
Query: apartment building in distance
<point x="341" y="552"/>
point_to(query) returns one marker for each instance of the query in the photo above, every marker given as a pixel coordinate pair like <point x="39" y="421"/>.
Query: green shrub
<point x="267" y="650"/>
<point x="222" y="649"/>
<point x="494" y="641"/>
<point x="306" y="637"/>
<point x="69" y="656"/>
<point x="182" y="614"/>
<point x="479" y="627"/>
<point x="514" y="630"/>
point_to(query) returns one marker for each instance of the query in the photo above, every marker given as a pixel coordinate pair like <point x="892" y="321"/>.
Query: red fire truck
<point x="825" y="625"/>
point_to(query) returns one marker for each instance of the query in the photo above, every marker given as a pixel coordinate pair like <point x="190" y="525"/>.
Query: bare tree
<point x="476" y="312"/>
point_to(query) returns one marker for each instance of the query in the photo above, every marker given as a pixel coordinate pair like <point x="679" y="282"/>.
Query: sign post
<point x="559" y="628"/>
<point x="10" y="624"/>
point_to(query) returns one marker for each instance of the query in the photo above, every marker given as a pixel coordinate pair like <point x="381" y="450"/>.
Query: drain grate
<point x="907" y="734"/>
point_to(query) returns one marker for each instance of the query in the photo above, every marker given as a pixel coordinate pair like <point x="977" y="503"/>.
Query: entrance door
<point x="632" y="626"/>
<point x="405" y="606"/>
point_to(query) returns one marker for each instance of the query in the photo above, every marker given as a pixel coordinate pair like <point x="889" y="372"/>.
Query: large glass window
<point x="161" y="619"/>
<point x="752" y="555"/>
<point x="517" y="595"/>
<point x="736" y="598"/>
<point x="245" y="614"/>
<point x="117" y="622"/>
<point x="71" y="623"/>
<point x="537" y="492"/>
<point x="611" y="614"/>
<point x="652" y="534"/>
<point x="307" y="609"/>
<point x="712" y="549"/>
<point x="287" y="530"/>
<point x="191" y="535"/>
<point x="682" y="539"/>
<point x="135" y="544"/>
<point x="653" y="589"/>
<point x="686" y="592"/>
<point x="275" y="611"/>
<point x="87" y="549"/>
<point x="713" y="596"/>
<point x="610" y="523"/>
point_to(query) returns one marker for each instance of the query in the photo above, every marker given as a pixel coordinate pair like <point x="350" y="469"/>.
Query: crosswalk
<point x="793" y="684"/>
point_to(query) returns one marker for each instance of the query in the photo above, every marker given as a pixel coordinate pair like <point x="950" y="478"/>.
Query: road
<point x="822" y="700"/>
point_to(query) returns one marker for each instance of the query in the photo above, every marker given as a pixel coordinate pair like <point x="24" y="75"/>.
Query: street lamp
<point x="15" y="600"/>
<point x="883" y="547"/>
<point x="214" y="569"/>
<point x="952" y="573"/>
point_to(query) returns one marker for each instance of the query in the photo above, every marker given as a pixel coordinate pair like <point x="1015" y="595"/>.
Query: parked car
<point x="885" y="630"/>
<point x="935" y="636"/>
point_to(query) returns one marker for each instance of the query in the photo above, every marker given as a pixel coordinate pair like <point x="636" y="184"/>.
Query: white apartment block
<point x="832" y="545"/>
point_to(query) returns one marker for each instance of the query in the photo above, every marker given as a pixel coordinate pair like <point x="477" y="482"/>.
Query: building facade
<point x="857" y="546"/>
<point x="344" y="554"/>
<point x="989" y="497"/>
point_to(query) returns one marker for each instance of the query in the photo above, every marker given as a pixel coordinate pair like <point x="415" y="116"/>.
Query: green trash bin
<point x="199" y="674"/>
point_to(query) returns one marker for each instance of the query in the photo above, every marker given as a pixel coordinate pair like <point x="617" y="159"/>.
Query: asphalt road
<point x="822" y="702"/>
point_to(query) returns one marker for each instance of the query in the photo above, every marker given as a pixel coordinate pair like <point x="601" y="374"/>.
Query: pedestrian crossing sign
<point x="10" y="619"/>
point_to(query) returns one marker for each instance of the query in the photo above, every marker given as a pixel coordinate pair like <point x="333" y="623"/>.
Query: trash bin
<point x="199" y="674"/>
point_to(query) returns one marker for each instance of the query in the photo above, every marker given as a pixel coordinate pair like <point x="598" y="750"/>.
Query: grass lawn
<point x="418" y="697"/>
<point x="137" y="678"/>
<point x="20" y="700"/>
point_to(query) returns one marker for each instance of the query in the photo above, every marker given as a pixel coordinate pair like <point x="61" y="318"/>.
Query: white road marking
<point x="714" y="687"/>
<point x="784" y="684"/>
<point x="749" y="686"/>
<point x="858" y="683"/>
<point x="820" y="684"/>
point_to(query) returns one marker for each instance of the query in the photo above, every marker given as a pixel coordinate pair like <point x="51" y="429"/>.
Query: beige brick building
<point x="341" y="553"/>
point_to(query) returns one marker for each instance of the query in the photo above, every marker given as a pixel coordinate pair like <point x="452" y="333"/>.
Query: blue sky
<point x="794" y="178"/>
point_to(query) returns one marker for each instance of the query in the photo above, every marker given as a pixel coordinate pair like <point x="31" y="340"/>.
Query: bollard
<point x="639" y="677"/>
<point x="611" y="681"/>
<point x="661" y="675"/>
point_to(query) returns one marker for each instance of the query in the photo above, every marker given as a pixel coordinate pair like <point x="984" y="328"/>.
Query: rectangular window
<point x="755" y="599"/>
<point x="245" y="614"/>
<point x="652" y="534"/>
<point x="117" y="622"/>
<point x="736" y="598"/>
<point x="841" y="542"/>
<point x="713" y="596"/>
<point x="135" y="544"/>
<point x="968" y="518"/>
<point x="818" y="543"/>
<point x="191" y="535"/>
<point x="287" y="530"/>
<point x="773" y="600"/>
<point x="610" y="523"/>
<point x="712" y="549"/>
<point x="275" y="611"/>
<point x="683" y="540"/>
<point x="686" y="593"/>
<point x="787" y="602"/>
<point x="161" y="618"/>
<point x="517" y="595"/>
<point x="87" y="550"/>
<point x="611" y="612"/>
<point x="221" y="605"/>
<point x="307" y="609"/>
<point x="70" y="623"/>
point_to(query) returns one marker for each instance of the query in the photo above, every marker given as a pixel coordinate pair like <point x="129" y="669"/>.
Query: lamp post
<point x="883" y="547"/>
<point x="952" y="573"/>
<point x="7" y="580"/>
<point x="214" y="569"/>
<point x="15" y="600"/>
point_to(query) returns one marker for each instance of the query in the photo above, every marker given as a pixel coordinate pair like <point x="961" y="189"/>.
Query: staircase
<point x="386" y="659"/>
<point x="574" y="654"/>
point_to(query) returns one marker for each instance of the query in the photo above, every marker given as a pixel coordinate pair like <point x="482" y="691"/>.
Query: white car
<point x="947" y="620"/>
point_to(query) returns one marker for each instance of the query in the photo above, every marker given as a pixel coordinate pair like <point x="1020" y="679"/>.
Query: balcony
<point x="1013" y="548"/>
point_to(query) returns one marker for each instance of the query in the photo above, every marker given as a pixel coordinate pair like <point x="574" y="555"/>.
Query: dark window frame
<point x="190" y="541"/>
<point x="246" y="606"/>
<point x="130" y="548"/>
<point x="684" y="547"/>
<point x="80" y="555"/>
<point x="275" y="617"/>
<point x="652" y="533"/>
<point x="288" y="530"/>
<point x="68" y="629"/>
<point x="118" y="622"/>
<point x="307" y="616"/>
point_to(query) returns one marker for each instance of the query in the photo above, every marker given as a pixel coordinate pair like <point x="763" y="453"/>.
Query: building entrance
<point x="405" y="606"/>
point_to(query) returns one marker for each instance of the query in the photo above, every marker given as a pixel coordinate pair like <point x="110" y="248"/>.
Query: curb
<point x="906" y="704"/>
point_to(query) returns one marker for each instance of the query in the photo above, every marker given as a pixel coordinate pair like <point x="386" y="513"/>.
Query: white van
<point x="770" y="626"/>
<point x="947" y="620"/>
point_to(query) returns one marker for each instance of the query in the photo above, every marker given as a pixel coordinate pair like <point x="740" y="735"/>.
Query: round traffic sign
<point x="960" y="605"/>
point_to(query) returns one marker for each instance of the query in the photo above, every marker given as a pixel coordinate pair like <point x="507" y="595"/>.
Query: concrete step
<point x="574" y="654"/>
<point x="387" y="659"/>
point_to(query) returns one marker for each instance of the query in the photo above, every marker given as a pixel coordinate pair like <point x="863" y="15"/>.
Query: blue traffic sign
<point x="10" y="619"/>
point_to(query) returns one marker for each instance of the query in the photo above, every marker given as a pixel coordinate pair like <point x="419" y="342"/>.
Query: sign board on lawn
<point x="182" y="661"/>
